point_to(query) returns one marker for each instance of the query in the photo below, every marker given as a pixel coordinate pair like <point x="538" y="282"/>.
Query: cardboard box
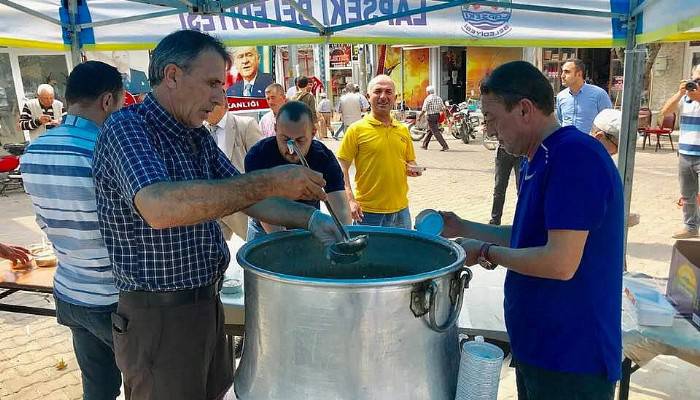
<point x="683" y="288"/>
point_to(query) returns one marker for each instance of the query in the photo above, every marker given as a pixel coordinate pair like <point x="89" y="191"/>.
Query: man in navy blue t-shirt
<point x="295" y="122"/>
<point x="564" y="251"/>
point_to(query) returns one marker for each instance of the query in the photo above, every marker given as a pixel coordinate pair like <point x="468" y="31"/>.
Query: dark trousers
<point x="504" y="164"/>
<point x="173" y="352"/>
<point x="540" y="384"/>
<point x="434" y="129"/>
<point x="91" y="329"/>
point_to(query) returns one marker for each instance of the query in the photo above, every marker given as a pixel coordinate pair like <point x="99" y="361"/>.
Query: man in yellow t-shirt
<point x="382" y="151"/>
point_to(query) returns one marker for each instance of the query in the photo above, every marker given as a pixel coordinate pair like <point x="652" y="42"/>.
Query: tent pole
<point x="631" y="97"/>
<point x="75" y="33"/>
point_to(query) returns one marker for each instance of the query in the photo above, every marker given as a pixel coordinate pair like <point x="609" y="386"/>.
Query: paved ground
<point x="460" y="180"/>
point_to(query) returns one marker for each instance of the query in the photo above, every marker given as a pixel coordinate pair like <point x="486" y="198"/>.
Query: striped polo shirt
<point x="689" y="140"/>
<point x="57" y="174"/>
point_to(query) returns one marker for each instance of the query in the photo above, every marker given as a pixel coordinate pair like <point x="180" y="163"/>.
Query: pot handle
<point x="461" y="284"/>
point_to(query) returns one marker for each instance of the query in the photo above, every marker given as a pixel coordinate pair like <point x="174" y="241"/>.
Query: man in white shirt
<point x="234" y="135"/>
<point x="350" y="108"/>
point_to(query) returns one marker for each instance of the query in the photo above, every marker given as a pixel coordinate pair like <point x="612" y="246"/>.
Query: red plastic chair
<point x="667" y="125"/>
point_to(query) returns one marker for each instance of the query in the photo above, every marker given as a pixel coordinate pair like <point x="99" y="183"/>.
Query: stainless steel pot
<point x="380" y="328"/>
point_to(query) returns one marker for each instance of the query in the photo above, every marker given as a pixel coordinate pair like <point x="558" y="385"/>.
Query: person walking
<point x="433" y="106"/>
<point x="350" y="109"/>
<point x="326" y="111"/>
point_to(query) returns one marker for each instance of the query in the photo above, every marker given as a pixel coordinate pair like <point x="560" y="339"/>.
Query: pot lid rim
<point x="355" y="283"/>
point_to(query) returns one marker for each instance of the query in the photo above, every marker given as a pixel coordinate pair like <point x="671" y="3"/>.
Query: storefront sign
<point x="339" y="55"/>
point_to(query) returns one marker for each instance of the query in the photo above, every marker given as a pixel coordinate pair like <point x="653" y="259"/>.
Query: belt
<point x="142" y="299"/>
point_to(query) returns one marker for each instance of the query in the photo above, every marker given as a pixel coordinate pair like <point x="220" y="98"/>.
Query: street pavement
<point x="460" y="180"/>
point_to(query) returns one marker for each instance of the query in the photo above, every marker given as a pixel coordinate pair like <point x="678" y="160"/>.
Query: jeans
<point x="535" y="383"/>
<point x="505" y="162"/>
<point x="688" y="170"/>
<point x="93" y="346"/>
<point x="399" y="219"/>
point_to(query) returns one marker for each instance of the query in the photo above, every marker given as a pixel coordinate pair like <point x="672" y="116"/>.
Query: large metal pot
<point x="381" y="328"/>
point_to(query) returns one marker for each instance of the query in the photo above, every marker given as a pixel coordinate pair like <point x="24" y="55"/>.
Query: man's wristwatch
<point x="483" y="258"/>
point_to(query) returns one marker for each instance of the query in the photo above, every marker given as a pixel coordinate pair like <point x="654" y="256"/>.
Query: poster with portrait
<point x="248" y="77"/>
<point x="132" y="65"/>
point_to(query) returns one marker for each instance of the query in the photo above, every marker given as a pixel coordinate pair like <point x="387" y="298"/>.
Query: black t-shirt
<point x="265" y="154"/>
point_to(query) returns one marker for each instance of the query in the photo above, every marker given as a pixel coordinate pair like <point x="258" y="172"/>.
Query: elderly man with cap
<point x="606" y="128"/>
<point x="42" y="113"/>
<point x="326" y="111"/>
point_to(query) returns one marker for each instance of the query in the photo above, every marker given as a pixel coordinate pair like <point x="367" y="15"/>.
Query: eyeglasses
<point x="611" y="138"/>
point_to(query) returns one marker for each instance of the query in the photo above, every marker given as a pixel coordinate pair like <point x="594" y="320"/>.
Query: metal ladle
<point x="349" y="249"/>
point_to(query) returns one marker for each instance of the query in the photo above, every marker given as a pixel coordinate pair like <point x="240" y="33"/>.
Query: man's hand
<point x="452" y="225"/>
<point x="45" y="119"/>
<point x="355" y="210"/>
<point x="14" y="253"/>
<point x="324" y="229"/>
<point x="295" y="182"/>
<point x="472" y="248"/>
<point x="681" y="88"/>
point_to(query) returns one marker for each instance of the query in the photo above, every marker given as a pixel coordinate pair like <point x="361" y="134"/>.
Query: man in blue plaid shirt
<point x="161" y="183"/>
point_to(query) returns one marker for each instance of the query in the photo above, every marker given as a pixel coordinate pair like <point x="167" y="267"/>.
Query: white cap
<point x="609" y="121"/>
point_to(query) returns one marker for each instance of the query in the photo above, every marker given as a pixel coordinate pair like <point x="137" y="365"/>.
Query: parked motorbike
<point x="10" y="176"/>
<point x="418" y="128"/>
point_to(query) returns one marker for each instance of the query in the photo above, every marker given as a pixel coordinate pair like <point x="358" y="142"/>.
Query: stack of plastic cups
<point x="479" y="371"/>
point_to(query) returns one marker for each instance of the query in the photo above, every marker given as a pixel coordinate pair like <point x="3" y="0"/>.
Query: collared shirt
<point x="350" y="108"/>
<point x="139" y="146"/>
<point x="433" y="104"/>
<point x="689" y="139"/>
<point x="580" y="109"/>
<point x="267" y="124"/>
<point x="380" y="154"/>
<point x="57" y="174"/>
<point x="218" y="132"/>
<point x="571" y="183"/>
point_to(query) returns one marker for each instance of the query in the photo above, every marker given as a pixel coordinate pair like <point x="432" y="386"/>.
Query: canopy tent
<point x="140" y="24"/>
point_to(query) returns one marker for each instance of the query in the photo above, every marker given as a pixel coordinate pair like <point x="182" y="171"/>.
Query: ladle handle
<point x="341" y="227"/>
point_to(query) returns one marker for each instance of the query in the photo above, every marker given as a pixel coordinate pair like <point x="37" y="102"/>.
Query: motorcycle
<point x="10" y="176"/>
<point x="464" y="125"/>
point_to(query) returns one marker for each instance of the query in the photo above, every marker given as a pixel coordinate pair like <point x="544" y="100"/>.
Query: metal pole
<point x="74" y="30"/>
<point x="403" y="97"/>
<point x="631" y="97"/>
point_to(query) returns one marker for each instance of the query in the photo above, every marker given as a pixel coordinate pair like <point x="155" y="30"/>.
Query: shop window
<point x="38" y="69"/>
<point x="9" y="109"/>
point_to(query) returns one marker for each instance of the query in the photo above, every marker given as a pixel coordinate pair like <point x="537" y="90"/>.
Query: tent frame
<point x="633" y="66"/>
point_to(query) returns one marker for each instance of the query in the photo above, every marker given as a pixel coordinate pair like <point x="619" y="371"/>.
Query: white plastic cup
<point x="479" y="371"/>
